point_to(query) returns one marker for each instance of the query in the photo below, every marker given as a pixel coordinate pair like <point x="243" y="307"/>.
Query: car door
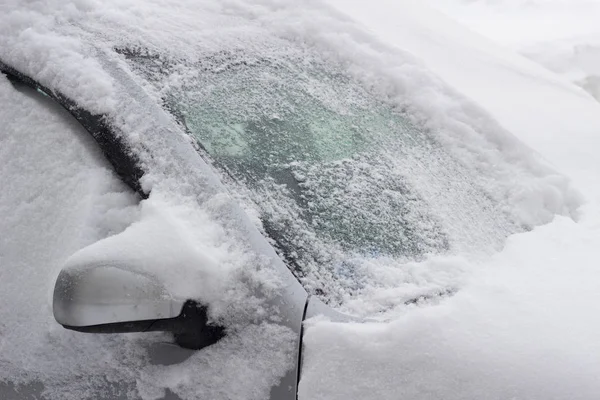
<point x="116" y="377"/>
<point x="58" y="195"/>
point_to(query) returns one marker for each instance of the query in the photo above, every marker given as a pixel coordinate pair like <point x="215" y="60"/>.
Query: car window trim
<point x="109" y="138"/>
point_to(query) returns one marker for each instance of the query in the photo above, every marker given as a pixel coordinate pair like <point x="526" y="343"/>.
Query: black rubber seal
<point x="110" y="139"/>
<point x="301" y="346"/>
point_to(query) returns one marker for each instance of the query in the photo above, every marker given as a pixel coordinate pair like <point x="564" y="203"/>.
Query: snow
<point x="165" y="245"/>
<point x="171" y="240"/>
<point x="177" y="239"/>
<point x="522" y="323"/>
<point x="57" y="196"/>
<point x="562" y="35"/>
<point x="61" y="202"/>
<point x="478" y="224"/>
<point x="524" y="326"/>
<point x="31" y="43"/>
<point x="554" y="117"/>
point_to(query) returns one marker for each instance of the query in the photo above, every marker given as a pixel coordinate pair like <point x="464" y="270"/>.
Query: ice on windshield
<point x="333" y="172"/>
<point x="317" y="155"/>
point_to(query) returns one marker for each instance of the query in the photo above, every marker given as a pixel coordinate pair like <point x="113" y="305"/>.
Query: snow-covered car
<point x="312" y="150"/>
<point x="322" y="159"/>
<point x="273" y="181"/>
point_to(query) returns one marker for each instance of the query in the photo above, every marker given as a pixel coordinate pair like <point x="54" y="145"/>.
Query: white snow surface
<point x="522" y="323"/>
<point x="562" y="35"/>
<point x="524" y="326"/>
<point x="547" y="112"/>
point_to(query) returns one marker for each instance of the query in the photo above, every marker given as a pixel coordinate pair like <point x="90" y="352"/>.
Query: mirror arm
<point x="190" y="328"/>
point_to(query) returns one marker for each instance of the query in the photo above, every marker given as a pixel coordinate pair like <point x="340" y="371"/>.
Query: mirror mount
<point x="190" y="329"/>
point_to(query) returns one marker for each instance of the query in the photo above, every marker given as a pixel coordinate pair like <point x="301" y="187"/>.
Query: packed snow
<point x="522" y="322"/>
<point x="562" y="35"/>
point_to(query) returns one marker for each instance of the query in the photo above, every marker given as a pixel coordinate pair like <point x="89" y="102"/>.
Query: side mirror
<point x="110" y="298"/>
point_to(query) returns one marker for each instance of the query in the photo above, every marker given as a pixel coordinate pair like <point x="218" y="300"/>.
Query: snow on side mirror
<point x="110" y="294"/>
<point x="143" y="279"/>
<point x="110" y="298"/>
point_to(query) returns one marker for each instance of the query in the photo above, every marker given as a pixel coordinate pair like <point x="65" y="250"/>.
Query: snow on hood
<point x="562" y="35"/>
<point x="544" y="110"/>
<point x="525" y="324"/>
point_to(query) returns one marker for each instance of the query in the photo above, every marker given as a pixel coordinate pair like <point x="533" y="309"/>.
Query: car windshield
<point x="325" y="164"/>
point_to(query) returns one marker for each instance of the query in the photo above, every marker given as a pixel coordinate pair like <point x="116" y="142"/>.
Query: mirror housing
<point x="111" y="298"/>
<point x="109" y="294"/>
